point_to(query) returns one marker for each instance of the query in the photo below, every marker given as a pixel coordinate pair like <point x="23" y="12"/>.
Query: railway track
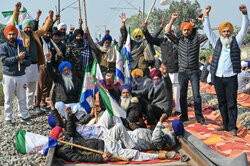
<point x="191" y="154"/>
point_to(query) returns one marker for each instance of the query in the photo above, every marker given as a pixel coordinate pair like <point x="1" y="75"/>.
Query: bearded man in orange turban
<point x="225" y="66"/>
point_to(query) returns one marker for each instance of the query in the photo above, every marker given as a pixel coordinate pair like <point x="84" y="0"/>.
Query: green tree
<point x="2" y="37"/>
<point x="185" y="8"/>
<point x="247" y="38"/>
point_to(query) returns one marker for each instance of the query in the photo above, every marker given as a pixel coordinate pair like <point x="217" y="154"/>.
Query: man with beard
<point x="31" y="41"/>
<point x="67" y="86"/>
<point x="133" y="108"/>
<point x="139" y="82"/>
<point x="106" y="54"/>
<point x="159" y="96"/>
<point x="188" y="46"/>
<point x="65" y="38"/>
<point x="225" y="67"/>
<point x="79" y="53"/>
<point x="14" y="78"/>
<point x="142" y="52"/>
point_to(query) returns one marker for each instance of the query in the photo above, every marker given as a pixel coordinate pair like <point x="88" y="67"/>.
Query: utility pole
<point x="143" y="11"/>
<point x="58" y="11"/>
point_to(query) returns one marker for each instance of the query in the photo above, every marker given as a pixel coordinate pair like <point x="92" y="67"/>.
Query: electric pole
<point x="58" y="10"/>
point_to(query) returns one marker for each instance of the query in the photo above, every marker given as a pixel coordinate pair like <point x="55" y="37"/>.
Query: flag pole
<point x="146" y="20"/>
<point x="85" y="13"/>
<point x="93" y="100"/>
<point x="92" y="150"/>
<point x="79" y="3"/>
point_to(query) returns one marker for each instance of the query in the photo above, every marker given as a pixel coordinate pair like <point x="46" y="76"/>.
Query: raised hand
<point x="80" y="22"/>
<point x="50" y="103"/>
<point x="144" y="25"/>
<point x="51" y="14"/>
<point x="207" y="10"/>
<point x="243" y="9"/>
<point x="57" y="17"/>
<point x="123" y="18"/>
<point x="163" y="69"/>
<point x="200" y="17"/>
<point x="192" y="22"/>
<point x="175" y="16"/>
<point x="163" y="21"/>
<point x="18" y="6"/>
<point x="38" y="14"/>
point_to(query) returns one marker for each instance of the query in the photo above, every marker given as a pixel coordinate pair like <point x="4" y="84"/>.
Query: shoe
<point x="38" y="110"/>
<point x="8" y="123"/>
<point x="45" y="109"/>
<point x="183" y="119"/>
<point x="27" y="121"/>
<point x="221" y="128"/>
<point x="170" y="155"/>
<point x="176" y="113"/>
<point x="233" y="132"/>
<point x="202" y="122"/>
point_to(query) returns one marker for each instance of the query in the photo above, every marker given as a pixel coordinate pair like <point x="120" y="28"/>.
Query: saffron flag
<point x="27" y="142"/>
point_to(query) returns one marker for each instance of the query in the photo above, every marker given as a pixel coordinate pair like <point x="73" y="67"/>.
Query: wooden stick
<point x="85" y="13"/>
<point x="18" y="65"/>
<point x="80" y="14"/>
<point x="92" y="150"/>
<point x="146" y="20"/>
<point x="93" y="100"/>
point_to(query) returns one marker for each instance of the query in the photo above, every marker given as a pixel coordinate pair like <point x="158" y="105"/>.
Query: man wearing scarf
<point x="225" y="67"/>
<point x="159" y="96"/>
<point x="105" y="54"/>
<point x="142" y="52"/>
<point x="32" y="43"/>
<point x="79" y="53"/>
<point x="65" y="38"/>
<point x="188" y="46"/>
<point x="139" y="82"/>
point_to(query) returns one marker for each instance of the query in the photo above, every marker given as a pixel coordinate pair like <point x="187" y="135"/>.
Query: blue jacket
<point x="9" y="58"/>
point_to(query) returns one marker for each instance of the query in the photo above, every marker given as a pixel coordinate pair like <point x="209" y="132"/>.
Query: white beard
<point x="226" y="41"/>
<point x="125" y="101"/>
<point x="68" y="81"/>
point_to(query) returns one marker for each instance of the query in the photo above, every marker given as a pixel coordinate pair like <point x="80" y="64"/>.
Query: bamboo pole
<point x="92" y="150"/>
<point x="146" y="20"/>
<point x="19" y="65"/>
<point x="85" y="13"/>
<point x="80" y="14"/>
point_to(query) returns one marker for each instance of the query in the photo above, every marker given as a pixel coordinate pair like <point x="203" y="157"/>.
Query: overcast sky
<point x="100" y="14"/>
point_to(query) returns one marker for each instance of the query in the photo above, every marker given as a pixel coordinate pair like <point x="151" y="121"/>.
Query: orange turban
<point x="138" y="72"/>
<point x="224" y="25"/>
<point x="10" y="28"/>
<point x="210" y="59"/>
<point x="186" y="25"/>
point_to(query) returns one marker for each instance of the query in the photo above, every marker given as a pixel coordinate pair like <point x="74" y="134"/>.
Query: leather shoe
<point x="222" y="128"/>
<point x="202" y="122"/>
<point x="183" y="119"/>
<point x="233" y="132"/>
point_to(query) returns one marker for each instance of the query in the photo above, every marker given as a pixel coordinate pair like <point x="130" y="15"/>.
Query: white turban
<point x="173" y="28"/>
<point x="62" y="25"/>
<point x="244" y="64"/>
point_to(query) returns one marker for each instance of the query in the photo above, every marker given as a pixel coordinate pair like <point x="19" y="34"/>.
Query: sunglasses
<point x="138" y="36"/>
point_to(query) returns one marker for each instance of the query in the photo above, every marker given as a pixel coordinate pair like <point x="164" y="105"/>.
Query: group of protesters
<point x="46" y="72"/>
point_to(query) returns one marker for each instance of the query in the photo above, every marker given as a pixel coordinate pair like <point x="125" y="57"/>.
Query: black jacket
<point x="76" y="154"/>
<point x="60" y="91"/>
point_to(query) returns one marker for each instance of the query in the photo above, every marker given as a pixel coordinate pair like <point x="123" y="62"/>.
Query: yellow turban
<point x="138" y="72"/>
<point x="224" y="25"/>
<point x="137" y="32"/>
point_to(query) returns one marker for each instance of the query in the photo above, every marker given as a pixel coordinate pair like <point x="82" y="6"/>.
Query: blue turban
<point x="106" y="37"/>
<point x="64" y="64"/>
<point x="126" y="86"/>
<point x="51" y="121"/>
<point x="178" y="127"/>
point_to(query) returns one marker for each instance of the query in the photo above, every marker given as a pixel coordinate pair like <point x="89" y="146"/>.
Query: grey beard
<point x="125" y="101"/>
<point x="226" y="41"/>
<point x="68" y="81"/>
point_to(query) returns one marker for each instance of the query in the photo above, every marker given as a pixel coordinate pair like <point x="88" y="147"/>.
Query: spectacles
<point x="138" y="36"/>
